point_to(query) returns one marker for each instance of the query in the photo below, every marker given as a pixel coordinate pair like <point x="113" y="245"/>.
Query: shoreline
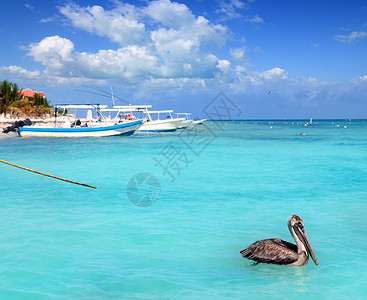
<point x="4" y="122"/>
<point x="8" y="122"/>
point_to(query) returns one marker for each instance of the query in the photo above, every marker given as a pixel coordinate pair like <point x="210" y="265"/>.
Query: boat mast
<point x="113" y="98"/>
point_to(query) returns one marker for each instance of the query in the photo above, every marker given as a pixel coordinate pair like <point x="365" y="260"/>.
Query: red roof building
<point x="30" y="93"/>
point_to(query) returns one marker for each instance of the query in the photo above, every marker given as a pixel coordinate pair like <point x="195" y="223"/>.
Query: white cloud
<point x="274" y="74"/>
<point x="165" y="44"/>
<point x="224" y="65"/>
<point x="230" y="9"/>
<point x="311" y="79"/>
<point x="16" y="71"/>
<point x="256" y="19"/>
<point x="170" y="14"/>
<point x="119" y="25"/>
<point x="55" y="53"/>
<point x="58" y="56"/>
<point x="192" y="83"/>
<point x="305" y="92"/>
<point x="177" y="44"/>
<point x="350" y="38"/>
<point x="131" y="63"/>
<point x="46" y="49"/>
<point x="237" y="53"/>
<point x="182" y="64"/>
<point x="30" y="7"/>
<point x="186" y="44"/>
<point x="245" y="78"/>
<point x="47" y="20"/>
<point x="360" y="79"/>
<point x="258" y="50"/>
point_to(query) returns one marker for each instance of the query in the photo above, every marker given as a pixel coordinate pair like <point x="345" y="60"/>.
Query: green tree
<point x="39" y="101"/>
<point x="40" y="105"/>
<point x="9" y="95"/>
<point x="12" y="101"/>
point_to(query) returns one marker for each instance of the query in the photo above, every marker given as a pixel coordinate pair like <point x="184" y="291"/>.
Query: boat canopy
<point x="72" y="106"/>
<point x="160" y="111"/>
<point x="187" y="114"/>
<point x="132" y="107"/>
<point x="118" y="109"/>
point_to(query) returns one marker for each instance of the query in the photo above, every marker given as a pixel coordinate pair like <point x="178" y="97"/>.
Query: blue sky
<point x="310" y="55"/>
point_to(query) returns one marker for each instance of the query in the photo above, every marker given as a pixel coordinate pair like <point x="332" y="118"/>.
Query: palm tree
<point x="9" y="94"/>
<point x="40" y="101"/>
<point x="12" y="101"/>
<point x="41" y="105"/>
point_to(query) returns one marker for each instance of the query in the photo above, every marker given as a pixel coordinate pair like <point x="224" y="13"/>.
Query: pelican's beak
<point x="301" y="233"/>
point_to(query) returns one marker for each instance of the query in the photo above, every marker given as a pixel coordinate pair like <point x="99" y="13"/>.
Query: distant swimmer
<point x="303" y="133"/>
<point x="276" y="251"/>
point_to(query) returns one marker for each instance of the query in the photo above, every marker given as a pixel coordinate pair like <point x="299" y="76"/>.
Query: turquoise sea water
<point x="218" y="193"/>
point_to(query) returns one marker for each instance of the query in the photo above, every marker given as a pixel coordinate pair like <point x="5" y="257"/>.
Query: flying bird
<point x="276" y="251"/>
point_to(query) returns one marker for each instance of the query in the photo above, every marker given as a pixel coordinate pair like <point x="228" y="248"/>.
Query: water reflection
<point x="275" y="279"/>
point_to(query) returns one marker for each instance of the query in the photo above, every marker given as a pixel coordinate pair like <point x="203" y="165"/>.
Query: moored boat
<point x="127" y="128"/>
<point x="186" y="120"/>
<point x="75" y="128"/>
<point x="199" y="122"/>
<point x="168" y="124"/>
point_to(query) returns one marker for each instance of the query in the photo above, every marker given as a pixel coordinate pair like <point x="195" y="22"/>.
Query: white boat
<point x="168" y="124"/>
<point x="72" y="127"/>
<point x="199" y="122"/>
<point x="188" y="121"/>
<point x="158" y="124"/>
<point x="123" y="113"/>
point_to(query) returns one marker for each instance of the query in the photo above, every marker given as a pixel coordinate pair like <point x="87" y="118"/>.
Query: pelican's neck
<point x="300" y="247"/>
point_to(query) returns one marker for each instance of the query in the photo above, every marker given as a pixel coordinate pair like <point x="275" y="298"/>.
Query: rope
<point x="52" y="176"/>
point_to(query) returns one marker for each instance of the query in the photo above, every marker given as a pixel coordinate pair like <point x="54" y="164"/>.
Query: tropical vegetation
<point x="13" y="104"/>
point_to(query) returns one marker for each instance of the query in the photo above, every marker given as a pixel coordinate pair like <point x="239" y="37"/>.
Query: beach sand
<point x="4" y="122"/>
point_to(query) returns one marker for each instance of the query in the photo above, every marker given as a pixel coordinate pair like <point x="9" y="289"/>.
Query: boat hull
<point x="127" y="128"/>
<point x="184" y="124"/>
<point x="198" y="122"/>
<point x="168" y="125"/>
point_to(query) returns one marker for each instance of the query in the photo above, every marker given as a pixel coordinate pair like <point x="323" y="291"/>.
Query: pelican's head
<point x="296" y="227"/>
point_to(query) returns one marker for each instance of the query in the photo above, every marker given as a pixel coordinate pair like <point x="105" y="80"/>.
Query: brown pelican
<point x="276" y="251"/>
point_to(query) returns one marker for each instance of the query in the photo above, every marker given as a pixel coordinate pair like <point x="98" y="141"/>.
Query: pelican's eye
<point x="299" y="225"/>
